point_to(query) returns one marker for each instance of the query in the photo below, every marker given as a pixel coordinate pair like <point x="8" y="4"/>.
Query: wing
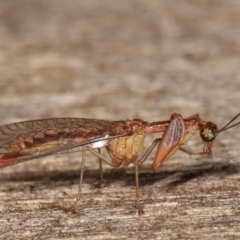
<point x="28" y="140"/>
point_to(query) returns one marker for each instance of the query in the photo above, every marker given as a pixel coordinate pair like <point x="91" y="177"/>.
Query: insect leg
<point x="101" y="178"/>
<point x="138" y="205"/>
<point x="100" y="156"/>
<point x="207" y="153"/>
<point x="172" y="140"/>
<point x="71" y="208"/>
<point x="147" y="153"/>
<point x="140" y="162"/>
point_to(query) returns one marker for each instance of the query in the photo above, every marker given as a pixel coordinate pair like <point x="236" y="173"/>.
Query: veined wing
<point x="28" y="140"/>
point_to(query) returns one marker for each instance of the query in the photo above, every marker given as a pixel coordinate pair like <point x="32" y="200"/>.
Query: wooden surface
<point x="122" y="60"/>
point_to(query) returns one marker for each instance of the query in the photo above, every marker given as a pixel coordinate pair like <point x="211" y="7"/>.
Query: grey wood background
<point x="122" y="60"/>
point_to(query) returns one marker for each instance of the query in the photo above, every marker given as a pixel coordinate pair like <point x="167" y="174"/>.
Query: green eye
<point x="207" y="134"/>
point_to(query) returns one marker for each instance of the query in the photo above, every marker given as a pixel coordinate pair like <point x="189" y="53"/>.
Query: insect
<point x="123" y="140"/>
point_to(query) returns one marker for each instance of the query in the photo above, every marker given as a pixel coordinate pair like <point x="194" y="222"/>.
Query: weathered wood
<point x="119" y="60"/>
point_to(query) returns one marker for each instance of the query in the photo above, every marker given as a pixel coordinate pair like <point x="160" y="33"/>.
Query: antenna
<point x="227" y="125"/>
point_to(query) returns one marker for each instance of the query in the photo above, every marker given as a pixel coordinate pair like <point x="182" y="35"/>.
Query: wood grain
<point x="122" y="60"/>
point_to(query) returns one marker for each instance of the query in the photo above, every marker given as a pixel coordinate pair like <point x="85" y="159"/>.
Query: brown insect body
<point x="123" y="140"/>
<point x="177" y="132"/>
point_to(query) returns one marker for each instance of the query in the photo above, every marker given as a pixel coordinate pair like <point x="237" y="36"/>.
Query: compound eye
<point x="207" y="134"/>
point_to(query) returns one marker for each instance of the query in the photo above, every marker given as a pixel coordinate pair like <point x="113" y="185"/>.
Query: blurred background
<point x="119" y="60"/>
